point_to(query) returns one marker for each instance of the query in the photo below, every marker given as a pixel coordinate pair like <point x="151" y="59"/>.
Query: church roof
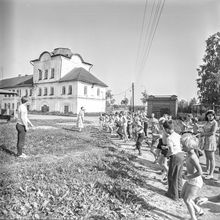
<point x="80" y="74"/>
<point x="19" y="81"/>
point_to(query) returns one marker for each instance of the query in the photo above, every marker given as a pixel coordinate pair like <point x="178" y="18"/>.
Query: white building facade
<point x="62" y="82"/>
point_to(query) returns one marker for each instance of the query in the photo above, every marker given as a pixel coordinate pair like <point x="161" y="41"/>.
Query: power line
<point x="153" y="35"/>
<point x="149" y="36"/>
<point x="148" y="33"/>
<point x="141" y="34"/>
<point x="122" y="92"/>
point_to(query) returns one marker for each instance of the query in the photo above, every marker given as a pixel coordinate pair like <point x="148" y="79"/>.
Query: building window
<point x="26" y="92"/>
<point x="98" y="92"/>
<point x="70" y="90"/>
<point x="52" y="73"/>
<point x="63" y="90"/>
<point x="40" y="74"/>
<point x="39" y="92"/>
<point x="18" y="92"/>
<point x="5" y="106"/>
<point x="13" y="106"/>
<point x="46" y="74"/>
<point x="9" y="106"/>
<point x="85" y="90"/>
<point x="51" y="90"/>
<point x="18" y="104"/>
<point x="45" y="91"/>
<point x="30" y="92"/>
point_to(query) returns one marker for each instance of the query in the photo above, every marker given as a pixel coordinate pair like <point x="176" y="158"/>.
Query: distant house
<point x="61" y="81"/>
<point x="160" y="105"/>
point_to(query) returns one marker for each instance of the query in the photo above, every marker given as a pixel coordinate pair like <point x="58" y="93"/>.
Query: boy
<point x="22" y="126"/>
<point x="176" y="161"/>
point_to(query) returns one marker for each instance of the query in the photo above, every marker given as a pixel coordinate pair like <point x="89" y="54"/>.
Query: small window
<point x="63" y="90"/>
<point x="51" y="90"/>
<point x="18" y="104"/>
<point x="70" y="90"/>
<point x="52" y="73"/>
<point x="18" y="92"/>
<point x="39" y="92"/>
<point x="9" y="105"/>
<point x="45" y="91"/>
<point x="26" y="92"/>
<point x="98" y="92"/>
<point x="13" y="106"/>
<point x="30" y="94"/>
<point x="85" y="90"/>
<point x="5" y="106"/>
<point x="46" y="74"/>
<point x="40" y="74"/>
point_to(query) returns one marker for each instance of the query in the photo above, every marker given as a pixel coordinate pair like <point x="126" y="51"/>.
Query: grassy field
<point x="67" y="175"/>
<point x="72" y="175"/>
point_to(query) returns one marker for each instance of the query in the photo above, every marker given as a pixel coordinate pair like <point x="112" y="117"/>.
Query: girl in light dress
<point x="193" y="175"/>
<point x="210" y="143"/>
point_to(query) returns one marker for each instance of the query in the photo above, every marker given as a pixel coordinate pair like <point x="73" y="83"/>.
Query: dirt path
<point x="154" y="193"/>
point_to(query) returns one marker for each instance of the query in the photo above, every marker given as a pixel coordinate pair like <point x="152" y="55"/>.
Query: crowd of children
<point x="173" y="151"/>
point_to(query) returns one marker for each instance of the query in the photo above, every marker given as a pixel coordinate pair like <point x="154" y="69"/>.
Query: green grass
<point x="68" y="175"/>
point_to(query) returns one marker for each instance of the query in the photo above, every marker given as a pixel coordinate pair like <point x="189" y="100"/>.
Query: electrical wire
<point x="148" y="33"/>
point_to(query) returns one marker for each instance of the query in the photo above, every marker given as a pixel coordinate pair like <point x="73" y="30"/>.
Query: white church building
<point x="61" y="82"/>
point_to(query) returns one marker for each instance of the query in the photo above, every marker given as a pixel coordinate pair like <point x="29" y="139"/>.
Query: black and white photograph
<point x="110" y="109"/>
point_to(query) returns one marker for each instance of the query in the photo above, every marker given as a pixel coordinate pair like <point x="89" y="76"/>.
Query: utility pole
<point x="133" y="97"/>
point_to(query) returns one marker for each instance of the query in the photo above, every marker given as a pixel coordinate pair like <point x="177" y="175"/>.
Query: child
<point x="101" y="121"/>
<point x="140" y="135"/>
<point x="176" y="161"/>
<point x="156" y="135"/>
<point x="193" y="177"/>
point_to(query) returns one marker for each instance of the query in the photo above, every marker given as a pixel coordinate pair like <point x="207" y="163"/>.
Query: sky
<point x="114" y="35"/>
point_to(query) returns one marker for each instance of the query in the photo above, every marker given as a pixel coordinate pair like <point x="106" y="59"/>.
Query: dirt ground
<point x="167" y="208"/>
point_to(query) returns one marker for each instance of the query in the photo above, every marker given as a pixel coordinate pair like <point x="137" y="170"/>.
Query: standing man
<point x="80" y="119"/>
<point x="22" y="126"/>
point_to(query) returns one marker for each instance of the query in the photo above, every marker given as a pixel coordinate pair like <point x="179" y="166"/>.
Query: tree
<point x="124" y="101"/>
<point x="145" y="97"/>
<point x="109" y="98"/>
<point x="209" y="72"/>
<point x="192" y="102"/>
<point x="183" y="106"/>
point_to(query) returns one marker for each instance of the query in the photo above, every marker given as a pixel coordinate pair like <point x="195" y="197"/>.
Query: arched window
<point x="85" y="90"/>
<point x="98" y="92"/>
<point x="39" y="92"/>
<point x="63" y="90"/>
<point x="70" y="90"/>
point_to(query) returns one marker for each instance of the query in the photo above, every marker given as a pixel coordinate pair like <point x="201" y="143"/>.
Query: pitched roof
<point x="20" y="81"/>
<point x="7" y="92"/>
<point x="80" y="74"/>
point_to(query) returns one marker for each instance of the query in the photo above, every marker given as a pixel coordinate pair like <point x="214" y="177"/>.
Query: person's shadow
<point x="214" y="208"/>
<point x="3" y="148"/>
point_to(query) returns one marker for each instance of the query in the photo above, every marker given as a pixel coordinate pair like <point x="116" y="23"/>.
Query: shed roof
<point x="19" y="81"/>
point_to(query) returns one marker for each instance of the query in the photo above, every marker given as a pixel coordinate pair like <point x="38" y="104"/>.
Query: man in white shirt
<point x="22" y="126"/>
<point x="176" y="161"/>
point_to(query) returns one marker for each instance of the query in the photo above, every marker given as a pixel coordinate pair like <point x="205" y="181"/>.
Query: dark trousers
<point x="21" y="138"/>
<point x="175" y="175"/>
<point x="145" y="128"/>
<point x="129" y="130"/>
